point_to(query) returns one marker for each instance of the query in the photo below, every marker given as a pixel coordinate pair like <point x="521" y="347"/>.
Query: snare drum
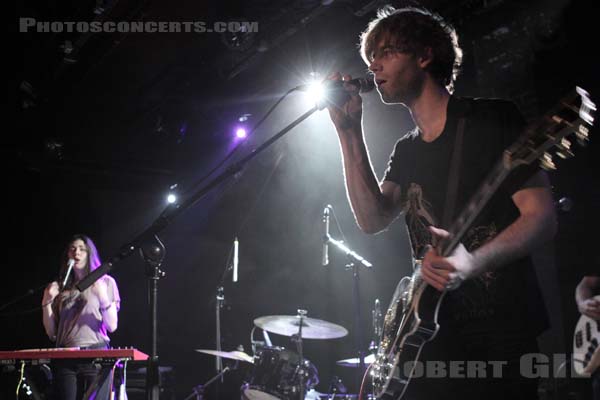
<point x="276" y="375"/>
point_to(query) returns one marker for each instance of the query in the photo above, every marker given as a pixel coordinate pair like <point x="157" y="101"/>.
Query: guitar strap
<point x="450" y="203"/>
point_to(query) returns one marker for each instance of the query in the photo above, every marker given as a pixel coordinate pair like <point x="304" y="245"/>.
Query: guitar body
<point x="410" y="322"/>
<point x="586" y="346"/>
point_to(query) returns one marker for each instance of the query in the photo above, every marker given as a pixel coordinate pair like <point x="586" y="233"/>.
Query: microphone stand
<point x="219" y="304"/>
<point x="148" y="240"/>
<point x="355" y="260"/>
<point x="153" y="255"/>
<point x="298" y="339"/>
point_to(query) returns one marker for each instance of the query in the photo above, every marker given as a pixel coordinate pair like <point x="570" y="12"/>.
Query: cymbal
<point x="353" y="362"/>
<point x="312" y="328"/>
<point x="233" y="355"/>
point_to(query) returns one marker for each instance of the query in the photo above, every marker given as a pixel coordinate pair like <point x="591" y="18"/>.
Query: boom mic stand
<point x="149" y="238"/>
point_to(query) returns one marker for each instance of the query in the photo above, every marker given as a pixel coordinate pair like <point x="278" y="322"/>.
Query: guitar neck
<point x="549" y="132"/>
<point x="477" y="202"/>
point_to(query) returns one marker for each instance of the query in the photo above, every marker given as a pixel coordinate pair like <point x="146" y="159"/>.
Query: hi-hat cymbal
<point x="233" y="355"/>
<point x="287" y="325"/>
<point x="353" y="362"/>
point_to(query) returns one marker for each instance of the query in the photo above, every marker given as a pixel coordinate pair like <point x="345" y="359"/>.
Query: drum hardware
<point x="232" y="355"/>
<point x="276" y="375"/>
<point x="236" y="355"/>
<point x="258" y="344"/>
<point x="280" y="374"/>
<point x="289" y="325"/>
<point x="298" y="340"/>
<point x="198" y="391"/>
<point x="354" y="362"/>
<point x="336" y="386"/>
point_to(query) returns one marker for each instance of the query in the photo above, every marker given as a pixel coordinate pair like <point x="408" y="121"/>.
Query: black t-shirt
<point x="510" y="294"/>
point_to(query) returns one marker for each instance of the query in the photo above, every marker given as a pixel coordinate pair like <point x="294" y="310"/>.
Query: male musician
<point x="587" y="296"/>
<point x="496" y="312"/>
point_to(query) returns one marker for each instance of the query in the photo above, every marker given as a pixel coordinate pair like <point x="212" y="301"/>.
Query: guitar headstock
<point x="572" y="115"/>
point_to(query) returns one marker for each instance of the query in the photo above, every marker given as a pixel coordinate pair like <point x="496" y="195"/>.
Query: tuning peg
<point x="564" y="154"/>
<point x="564" y="149"/>
<point x="564" y="144"/>
<point x="583" y="134"/>
<point x="547" y="163"/>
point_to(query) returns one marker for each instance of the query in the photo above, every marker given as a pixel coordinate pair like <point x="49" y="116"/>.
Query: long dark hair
<point x="93" y="259"/>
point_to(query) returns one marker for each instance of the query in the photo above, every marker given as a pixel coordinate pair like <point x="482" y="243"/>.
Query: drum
<point x="276" y="375"/>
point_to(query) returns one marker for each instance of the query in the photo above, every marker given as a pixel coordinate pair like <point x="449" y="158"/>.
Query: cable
<point x="21" y="377"/>
<point x="122" y="394"/>
<point x="112" y="376"/>
<point x="234" y="150"/>
<point x="24" y="312"/>
<point x="29" y="292"/>
<point x="337" y="223"/>
<point x="260" y="193"/>
<point x="362" y="384"/>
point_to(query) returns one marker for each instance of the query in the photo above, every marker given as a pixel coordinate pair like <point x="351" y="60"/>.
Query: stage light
<point x="240" y="133"/>
<point x="315" y="92"/>
<point x="171" y="198"/>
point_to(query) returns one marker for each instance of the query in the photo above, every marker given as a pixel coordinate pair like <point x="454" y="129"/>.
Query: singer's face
<point x="78" y="252"/>
<point x="398" y="75"/>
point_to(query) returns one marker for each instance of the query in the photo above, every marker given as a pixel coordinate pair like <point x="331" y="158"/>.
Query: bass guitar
<point x="586" y="346"/>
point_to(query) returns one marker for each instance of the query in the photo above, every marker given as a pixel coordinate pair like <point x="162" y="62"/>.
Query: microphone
<point x="364" y="84"/>
<point x="236" y="245"/>
<point x="70" y="264"/>
<point x="325" y="259"/>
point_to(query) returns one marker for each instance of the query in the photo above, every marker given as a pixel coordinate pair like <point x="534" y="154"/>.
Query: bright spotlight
<point x="240" y="133"/>
<point x="315" y="92"/>
<point x="171" y="198"/>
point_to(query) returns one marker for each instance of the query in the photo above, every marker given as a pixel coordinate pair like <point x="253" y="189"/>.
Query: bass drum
<point x="276" y="375"/>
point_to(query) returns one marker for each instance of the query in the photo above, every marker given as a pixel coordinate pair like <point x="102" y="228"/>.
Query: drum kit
<point x="281" y="374"/>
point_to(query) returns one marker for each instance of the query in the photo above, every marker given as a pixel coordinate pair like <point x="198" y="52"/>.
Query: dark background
<point x="102" y="133"/>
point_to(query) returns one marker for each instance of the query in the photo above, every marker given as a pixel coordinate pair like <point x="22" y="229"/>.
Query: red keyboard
<point x="10" y="357"/>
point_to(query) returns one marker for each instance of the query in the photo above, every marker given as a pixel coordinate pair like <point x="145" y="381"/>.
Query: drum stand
<point x="298" y="339"/>
<point x="198" y="391"/>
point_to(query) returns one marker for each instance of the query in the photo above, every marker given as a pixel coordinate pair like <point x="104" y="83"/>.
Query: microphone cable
<point x="237" y="147"/>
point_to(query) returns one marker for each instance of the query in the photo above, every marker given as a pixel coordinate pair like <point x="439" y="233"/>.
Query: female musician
<point x="80" y="319"/>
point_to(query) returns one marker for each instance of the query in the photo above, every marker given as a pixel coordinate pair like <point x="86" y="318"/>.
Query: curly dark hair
<point x="414" y="30"/>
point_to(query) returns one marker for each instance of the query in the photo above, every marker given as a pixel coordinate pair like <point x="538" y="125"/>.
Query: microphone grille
<point x="366" y="84"/>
